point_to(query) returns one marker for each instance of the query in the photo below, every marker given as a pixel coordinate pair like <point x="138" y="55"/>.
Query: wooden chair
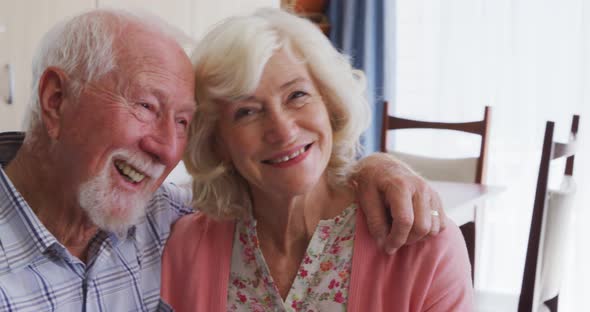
<point x="469" y="170"/>
<point x="552" y="212"/>
<point x="10" y="142"/>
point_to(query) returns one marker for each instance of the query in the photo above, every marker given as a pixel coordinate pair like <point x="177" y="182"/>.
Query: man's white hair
<point x="82" y="46"/>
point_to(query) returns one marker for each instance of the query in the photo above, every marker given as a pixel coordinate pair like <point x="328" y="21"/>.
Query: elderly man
<point x="83" y="212"/>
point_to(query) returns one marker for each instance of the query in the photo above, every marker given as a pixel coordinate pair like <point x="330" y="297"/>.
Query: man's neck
<point x="55" y="206"/>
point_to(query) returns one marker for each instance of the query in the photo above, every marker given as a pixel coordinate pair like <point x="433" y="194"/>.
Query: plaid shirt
<point x="37" y="273"/>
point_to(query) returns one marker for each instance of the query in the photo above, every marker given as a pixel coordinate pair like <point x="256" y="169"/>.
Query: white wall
<point x="27" y="20"/>
<point x="25" y="26"/>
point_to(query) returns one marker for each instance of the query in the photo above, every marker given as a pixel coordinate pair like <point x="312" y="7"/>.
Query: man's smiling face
<point x="127" y="131"/>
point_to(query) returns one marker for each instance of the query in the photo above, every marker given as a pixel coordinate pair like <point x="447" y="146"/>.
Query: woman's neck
<point x="285" y="225"/>
<point x="291" y="219"/>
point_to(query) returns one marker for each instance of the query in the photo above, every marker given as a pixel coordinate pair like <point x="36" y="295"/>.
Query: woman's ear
<point x="51" y="99"/>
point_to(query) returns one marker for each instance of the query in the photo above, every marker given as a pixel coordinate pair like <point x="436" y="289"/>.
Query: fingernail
<point x="391" y="251"/>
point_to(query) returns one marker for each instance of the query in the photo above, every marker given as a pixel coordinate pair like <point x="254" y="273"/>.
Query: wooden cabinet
<point x="314" y="10"/>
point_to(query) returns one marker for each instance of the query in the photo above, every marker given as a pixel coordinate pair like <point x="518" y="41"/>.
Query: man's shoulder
<point x="168" y="204"/>
<point x="171" y="196"/>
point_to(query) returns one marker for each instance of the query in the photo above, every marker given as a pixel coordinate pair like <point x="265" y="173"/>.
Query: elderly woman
<point x="280" y="228"/>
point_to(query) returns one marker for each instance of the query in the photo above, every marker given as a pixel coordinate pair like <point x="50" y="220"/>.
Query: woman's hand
<point x="399" y="204"/>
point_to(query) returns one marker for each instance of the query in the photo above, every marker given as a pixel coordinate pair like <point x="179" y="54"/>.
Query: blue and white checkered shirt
<point x="37" y="273"/>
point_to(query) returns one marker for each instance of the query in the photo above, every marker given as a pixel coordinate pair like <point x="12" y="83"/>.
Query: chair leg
<point x="468" y="230"/>
<point x="552" y="304"/>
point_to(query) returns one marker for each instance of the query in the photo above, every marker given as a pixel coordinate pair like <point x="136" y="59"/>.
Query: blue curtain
<point x="358" y="30"/>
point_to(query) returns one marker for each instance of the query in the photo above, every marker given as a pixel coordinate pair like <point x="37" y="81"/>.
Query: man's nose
<point x="162" y="142"/>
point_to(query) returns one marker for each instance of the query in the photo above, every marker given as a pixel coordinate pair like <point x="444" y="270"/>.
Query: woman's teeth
<point x="288" y="157"/>
<point x="129" y="172"/>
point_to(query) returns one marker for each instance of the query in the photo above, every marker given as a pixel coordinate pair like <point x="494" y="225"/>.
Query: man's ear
<point x="51" y="99"/>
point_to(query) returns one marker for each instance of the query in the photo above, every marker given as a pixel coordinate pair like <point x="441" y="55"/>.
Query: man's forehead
<point x="146" y="51"/>
<point x="157" y="66"/>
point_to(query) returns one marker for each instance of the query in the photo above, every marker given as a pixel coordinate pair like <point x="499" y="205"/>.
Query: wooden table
<point x="460" y="199"/>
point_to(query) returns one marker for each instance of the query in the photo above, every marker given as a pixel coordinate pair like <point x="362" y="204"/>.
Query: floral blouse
<point x="322" y="280"/>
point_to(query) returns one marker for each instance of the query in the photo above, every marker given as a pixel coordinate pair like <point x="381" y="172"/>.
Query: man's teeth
<point x="129" y="172"/>
<point x="288" y="157"/>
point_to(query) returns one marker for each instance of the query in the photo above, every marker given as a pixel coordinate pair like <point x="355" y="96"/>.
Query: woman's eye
<point x="297" y="94"/>
<point x="244" y="112"/>
<point x="299" y="98"/>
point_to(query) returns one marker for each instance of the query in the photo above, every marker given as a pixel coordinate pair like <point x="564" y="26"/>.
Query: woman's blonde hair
<point x="229" y="63"/>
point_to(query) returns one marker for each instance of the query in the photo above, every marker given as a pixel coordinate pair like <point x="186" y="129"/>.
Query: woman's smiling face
<point x="279" y="138"/>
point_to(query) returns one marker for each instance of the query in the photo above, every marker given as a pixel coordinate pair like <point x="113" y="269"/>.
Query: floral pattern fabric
<point x="322" y="280"/>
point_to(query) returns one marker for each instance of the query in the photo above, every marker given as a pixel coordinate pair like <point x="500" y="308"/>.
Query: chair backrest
<point x="471" y="169"/>
<point x="10" y="142"/>
<point x="552" y="212"/>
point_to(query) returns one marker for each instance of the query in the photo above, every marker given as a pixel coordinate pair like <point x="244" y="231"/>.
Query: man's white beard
<point x="111" y="209"/>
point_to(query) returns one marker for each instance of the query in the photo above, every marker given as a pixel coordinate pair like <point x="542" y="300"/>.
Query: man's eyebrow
<point x="160" y="95"/>
<point x="163" y="98"/>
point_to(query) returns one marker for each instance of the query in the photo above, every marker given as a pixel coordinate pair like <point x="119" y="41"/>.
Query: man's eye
<point x="145" y="111"/>
<point x="182" y="122"/>
<point x="147" y="106"/>
<point x="182" y="126"/>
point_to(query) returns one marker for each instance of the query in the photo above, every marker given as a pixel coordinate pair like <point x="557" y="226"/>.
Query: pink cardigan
<point x="431" y="275"/>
